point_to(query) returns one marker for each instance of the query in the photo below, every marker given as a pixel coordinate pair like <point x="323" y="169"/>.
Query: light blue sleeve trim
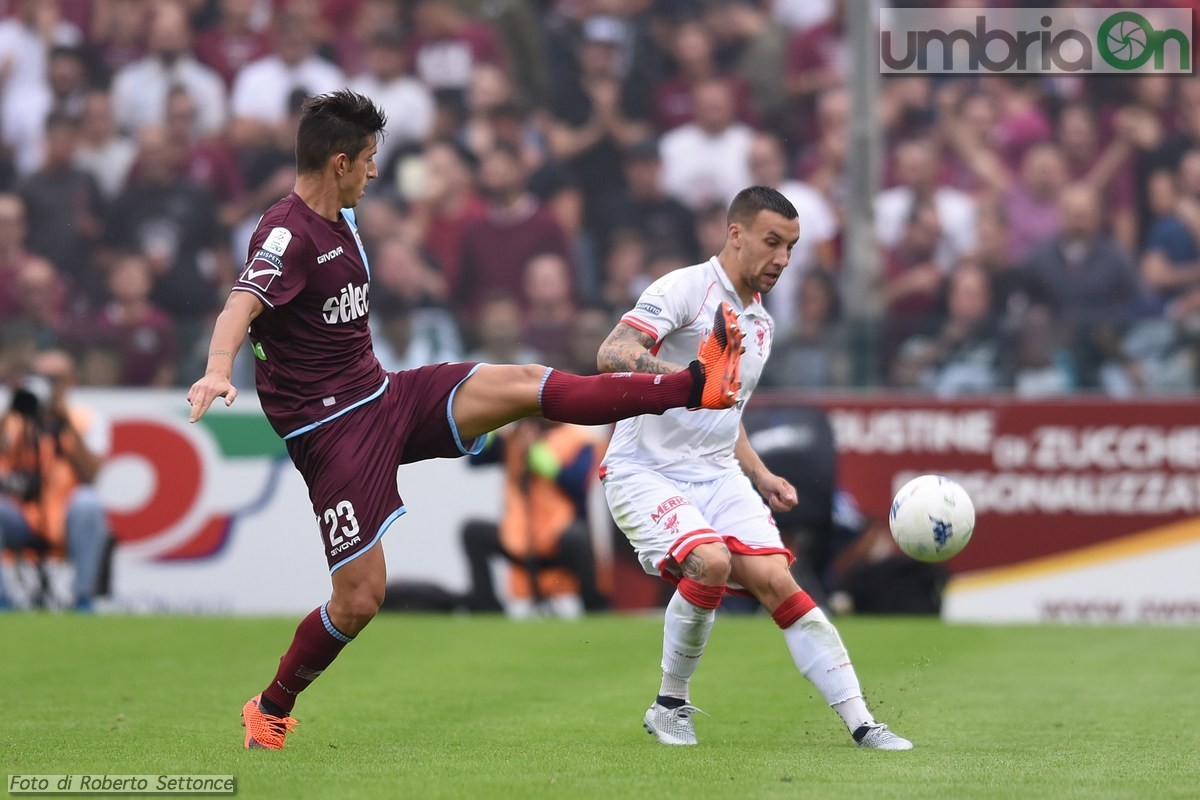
<point x="476" y="446"/>
<point x="542" y="385"/>
<point x="350" y="407"/>
<point x="352" y="221"/>
<point x="334" y="632"/>
<point x="395" y="515"/>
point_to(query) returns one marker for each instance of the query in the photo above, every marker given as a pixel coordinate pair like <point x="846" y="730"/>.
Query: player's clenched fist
<point x="207" y="389"/>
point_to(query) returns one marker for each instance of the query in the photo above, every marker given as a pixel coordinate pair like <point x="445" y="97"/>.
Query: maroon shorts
<point x="350" y="461"/>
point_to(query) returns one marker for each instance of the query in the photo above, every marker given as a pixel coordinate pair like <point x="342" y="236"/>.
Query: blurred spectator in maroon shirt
<point x="554" y="184"/>
<point x="692" y="50"/>
<point x="1021" y="122"/>
<point x="549" y="306"/>
<point x="448" y="44"/>
<point x="139" y="331"/>
<point x="818" y="59"/>
<point x="13" y="255"/>
<point x="103" y="150"/>
<point x="496" y="247"/>
<point x="367" y="18"/>
<point x="118" y="33"/>
<point x="207" y="161"/>
<point x="234" y="41"/>
<point x="913" y="278"/>
<point x="445" y="207"/>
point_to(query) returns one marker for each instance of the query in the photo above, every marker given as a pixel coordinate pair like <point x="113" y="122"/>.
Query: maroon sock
<point x="601" y="399"/>
<point x="315" y="646"/>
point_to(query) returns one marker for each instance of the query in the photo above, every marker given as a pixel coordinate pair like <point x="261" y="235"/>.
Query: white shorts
<point x="665" y="519"/>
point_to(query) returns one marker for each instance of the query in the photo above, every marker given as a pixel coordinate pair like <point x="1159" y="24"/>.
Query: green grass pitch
<point x="448" y="707"/>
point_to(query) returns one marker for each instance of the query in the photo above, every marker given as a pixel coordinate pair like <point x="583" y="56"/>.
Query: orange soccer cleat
<point x="262" y="729"/>
<point x="720" y="358"/>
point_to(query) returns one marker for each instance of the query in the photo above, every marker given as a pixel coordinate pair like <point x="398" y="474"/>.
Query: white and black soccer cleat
<point x="876" y="736"/>
<point x="671" y="725"/>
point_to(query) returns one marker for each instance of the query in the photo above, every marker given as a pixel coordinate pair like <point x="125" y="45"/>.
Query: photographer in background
<point x="543" y="531"/>
<point x="50" y="453"/>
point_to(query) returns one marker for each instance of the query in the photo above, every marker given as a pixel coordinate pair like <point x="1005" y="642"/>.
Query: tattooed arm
<point x="628" y="350"/>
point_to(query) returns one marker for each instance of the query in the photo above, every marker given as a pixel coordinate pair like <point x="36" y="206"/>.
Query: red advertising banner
<point x="1045" y="477"/>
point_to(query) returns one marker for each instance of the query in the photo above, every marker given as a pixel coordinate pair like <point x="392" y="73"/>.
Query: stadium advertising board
<point x="1088" y="510"/>
<point x="213" y="517"/>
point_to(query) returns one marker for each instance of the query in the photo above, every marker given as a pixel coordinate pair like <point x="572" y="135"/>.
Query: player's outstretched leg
<point x="686" y="625"/>
<point x="815" y="645"/>
<point x="497" y="394"/>
<point x="358" y="589"/>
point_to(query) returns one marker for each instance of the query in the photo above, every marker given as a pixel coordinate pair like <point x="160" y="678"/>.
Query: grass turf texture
<point x="438" y="707"/>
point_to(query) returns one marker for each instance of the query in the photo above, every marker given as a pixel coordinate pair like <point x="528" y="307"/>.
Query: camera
<point x="32" y="397"/>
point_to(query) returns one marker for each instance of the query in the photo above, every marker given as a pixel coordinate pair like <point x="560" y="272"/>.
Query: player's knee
<point x="709" y="564"/>
<point x="358" y="607"/>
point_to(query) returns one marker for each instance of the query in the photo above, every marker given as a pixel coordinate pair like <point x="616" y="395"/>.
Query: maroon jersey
<point x="312" y="343"/>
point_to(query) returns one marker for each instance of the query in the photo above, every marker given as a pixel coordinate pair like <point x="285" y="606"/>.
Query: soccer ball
<point x="932" y="518"/>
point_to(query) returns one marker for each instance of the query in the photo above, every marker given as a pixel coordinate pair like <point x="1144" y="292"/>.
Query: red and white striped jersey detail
<point x="638" y="325"/>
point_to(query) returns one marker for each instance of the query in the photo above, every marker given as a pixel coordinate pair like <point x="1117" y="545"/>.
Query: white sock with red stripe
<point x="821" y="657"/>
<point x="686" y="626"/>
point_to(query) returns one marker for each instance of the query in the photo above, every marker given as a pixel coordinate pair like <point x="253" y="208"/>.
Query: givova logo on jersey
<point x="348" y="305"/>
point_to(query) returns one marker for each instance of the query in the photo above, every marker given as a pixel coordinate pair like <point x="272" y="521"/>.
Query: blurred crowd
<point x="547" y="159"/>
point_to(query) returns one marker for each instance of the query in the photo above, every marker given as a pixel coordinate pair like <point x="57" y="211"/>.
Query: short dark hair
<point x="753" y="199"/>
<point x="336" y="122"/>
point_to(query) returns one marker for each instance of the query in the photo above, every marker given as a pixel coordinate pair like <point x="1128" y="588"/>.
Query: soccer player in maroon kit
<point x="348" y="424"/>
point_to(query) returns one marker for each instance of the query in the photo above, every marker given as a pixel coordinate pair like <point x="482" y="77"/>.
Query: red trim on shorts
<point x="602" y="473"/>
<point x="793" y="609"/>
<point x="739" y="547"/>
<point x="638" y="325"/>
<point x="700" y="594"/>
<point x="689" y="541"/>
<point x="703" y="536"/>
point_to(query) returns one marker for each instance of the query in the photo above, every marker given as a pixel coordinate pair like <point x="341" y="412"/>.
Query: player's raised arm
<point x="230" y="329"/>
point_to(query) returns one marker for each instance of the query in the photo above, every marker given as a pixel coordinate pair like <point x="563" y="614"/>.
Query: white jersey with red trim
<point x="678" y="310"/>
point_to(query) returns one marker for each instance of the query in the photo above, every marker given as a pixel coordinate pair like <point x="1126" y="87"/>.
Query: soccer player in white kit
<point x="682" y="485"/>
